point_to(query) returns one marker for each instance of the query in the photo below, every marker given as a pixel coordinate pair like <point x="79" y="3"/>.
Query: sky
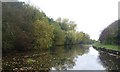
<point x="91" y="16"/>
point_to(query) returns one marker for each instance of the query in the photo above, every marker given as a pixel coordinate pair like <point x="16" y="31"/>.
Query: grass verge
<point x="112" y="47"/>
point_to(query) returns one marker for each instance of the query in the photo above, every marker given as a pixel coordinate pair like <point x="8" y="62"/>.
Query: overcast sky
<point x="91" y="16"/>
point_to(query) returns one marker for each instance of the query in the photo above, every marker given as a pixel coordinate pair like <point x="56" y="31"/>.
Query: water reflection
<point x="59" y="57"/>
<point x="72" y="57"/>
<point x="67" y="56"/>
<point x="88" y="61"/>
<point x="110" y="62"/>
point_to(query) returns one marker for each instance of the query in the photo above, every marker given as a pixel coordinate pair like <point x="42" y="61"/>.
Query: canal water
<point x="72" y="57"/>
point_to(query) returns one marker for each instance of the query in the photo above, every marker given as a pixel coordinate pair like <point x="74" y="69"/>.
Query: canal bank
<point x="107" y="50"/>
<point x="109" y="58"/>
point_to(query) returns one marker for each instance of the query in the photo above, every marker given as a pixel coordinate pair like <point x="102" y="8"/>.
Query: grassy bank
<point x="112" y="47"/>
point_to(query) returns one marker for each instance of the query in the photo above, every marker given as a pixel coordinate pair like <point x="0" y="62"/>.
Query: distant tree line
<point x="25" y="27"/>
<point x="111" y="34"/>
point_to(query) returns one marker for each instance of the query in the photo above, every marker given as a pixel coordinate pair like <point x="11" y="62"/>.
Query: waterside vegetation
<point x="25" y="27"/>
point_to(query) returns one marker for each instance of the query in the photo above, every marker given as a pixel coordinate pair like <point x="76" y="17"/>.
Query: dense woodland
<point x="25" y="27"/>
<point x="111" y="34"/>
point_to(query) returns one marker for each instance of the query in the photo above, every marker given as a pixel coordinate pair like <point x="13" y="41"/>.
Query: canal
<point x="72" y="57"/>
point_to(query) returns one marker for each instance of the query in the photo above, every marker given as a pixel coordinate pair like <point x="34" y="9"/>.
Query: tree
<point x="110" y="35"/>
<point x="43" y="34"/>
<point x="66" y="25"/>
<point x="25" y="27"/>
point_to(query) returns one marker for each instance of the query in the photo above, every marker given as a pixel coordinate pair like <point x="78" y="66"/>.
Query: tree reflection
<point x="64" y="56"/>
<point x="59" y="58"/>
<point x="110" y="62"/>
